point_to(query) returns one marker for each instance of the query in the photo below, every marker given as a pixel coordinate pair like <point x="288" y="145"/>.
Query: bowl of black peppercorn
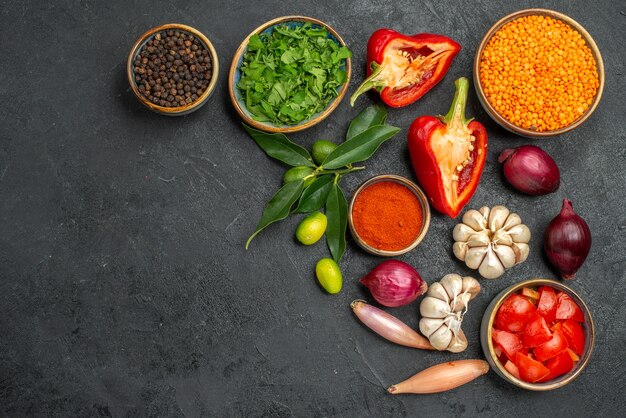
<point x="172" y="69"/>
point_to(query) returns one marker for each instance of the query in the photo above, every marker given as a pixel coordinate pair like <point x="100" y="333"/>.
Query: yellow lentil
<point x="538" y="73"/>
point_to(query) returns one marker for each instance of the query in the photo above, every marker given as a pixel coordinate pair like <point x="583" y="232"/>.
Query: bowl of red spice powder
<point x="388" y="215"/>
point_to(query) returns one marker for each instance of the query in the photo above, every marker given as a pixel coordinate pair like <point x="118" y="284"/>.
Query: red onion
<point x="388" y="326"/>
<point x="530" y="170"/>
<point x="567" y="241"/>
<point x="394" y="283"/>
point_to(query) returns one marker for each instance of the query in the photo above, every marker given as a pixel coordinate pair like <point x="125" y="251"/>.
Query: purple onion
<point x="567" y="241"/>
<point x="394" y="283"/>
<point x="530" y="170"/>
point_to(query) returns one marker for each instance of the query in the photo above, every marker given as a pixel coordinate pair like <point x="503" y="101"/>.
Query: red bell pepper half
<point x="403" y="68"/>
<point x="448" y="154"/>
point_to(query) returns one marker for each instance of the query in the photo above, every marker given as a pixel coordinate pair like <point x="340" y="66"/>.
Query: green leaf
<point x="360" y="147"/>
<point x="337" y="215"/>
<point x="314" y="196"/>
<point x="370" y="116"/>
<point x="255" y="43"/>
<point x="278" y="146"/>
<point x="279" y="206"/>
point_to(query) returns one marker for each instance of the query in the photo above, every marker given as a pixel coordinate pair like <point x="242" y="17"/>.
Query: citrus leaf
<point x="360" y="147"/>
<point x="370" y="116"/>
<point x="314" y="196"/>
<point x="337" y="215"/>
<point x="278" y="146"/>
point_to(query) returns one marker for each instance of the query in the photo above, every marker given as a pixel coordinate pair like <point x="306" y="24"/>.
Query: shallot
<point x="567" y="241"/>
<point x="388" y="326"/>
<point x="394" y="283"/>
<point x="530" y="170"/>
<point x="442" y="377"/>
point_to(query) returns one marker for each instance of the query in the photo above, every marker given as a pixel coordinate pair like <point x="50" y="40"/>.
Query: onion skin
<point x="567" y="241"/>
<point x="388" y="326"/>
<point x="530" y="170"/>
<point x="442" y="377"/>
<point x="394" y="283"/>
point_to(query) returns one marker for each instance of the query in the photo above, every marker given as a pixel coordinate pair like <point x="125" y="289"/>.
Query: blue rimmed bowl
<point x="235" y="75"/>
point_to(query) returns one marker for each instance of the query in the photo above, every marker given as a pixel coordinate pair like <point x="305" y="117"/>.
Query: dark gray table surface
<point x="125" y="289"/>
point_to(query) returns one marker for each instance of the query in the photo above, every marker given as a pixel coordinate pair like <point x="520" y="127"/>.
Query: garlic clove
<point x="429" y="325"/>
<point x="506" y="255"/>
<point x="491" y="267"/>
<point x="434" y="308"/>
<point x="440" y="339"/>
<point x="484" y="211"/>
<point x="475" y="220"/>
<point x="459" y="249"/>
<point x="453" y="283"/>
<point x="497" y="217"/>
<point x="479" y="239"/>
<point x="471" y="286"/>
<point x="436" y="290"/>
<point x="458" y="343"/>
<point x="520" y="233"/>
<point x="460" y="303"/>
<point x="511" y="221"/>
<point x="501" y="237"/>
<point x="475" y="257"/>
<point x="521" y="251"/>
<point x="462" y="232"/>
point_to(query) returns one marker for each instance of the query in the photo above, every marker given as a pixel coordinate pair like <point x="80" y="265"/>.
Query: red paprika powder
<point x="387" y="216"/>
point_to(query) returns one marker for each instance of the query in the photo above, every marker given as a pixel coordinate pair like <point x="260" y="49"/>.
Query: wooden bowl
<point x="425" y="211"/>
<point x="234" y="75"/>
<point x="179" y="110"/>
<point x="489" y="349"/>
<point x="500" y="120"/>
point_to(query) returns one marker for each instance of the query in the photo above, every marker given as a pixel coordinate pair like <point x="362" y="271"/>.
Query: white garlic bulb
<point x="491" y="240"/>
<point x="442" y="311"/>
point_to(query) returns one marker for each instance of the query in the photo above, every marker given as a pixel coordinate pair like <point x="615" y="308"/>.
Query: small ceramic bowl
<point x="235" y="75"/>
<point x="180" y="110"/>
<point x="500" y="120"/>
<point x="425" y="211"/>
<point x="489" y="349"/>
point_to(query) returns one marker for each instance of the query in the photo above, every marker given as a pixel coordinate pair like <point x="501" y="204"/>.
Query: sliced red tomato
<point x="512" y="368"/>
<point x="558" y="366"/>
<point x="514" y="313"/>
<point x="536" y="332"/>
<point x="566" y="308"/>
<point x="531" y="294"/>
<point x="574" y="356"/>
<point x="556" y="327"/>
<point x="547" y="304"/>
<point x="552" y="348"/>
<point x="530" y="370"/>
<point x="575" y="336"/>
<point x="508" y="342"/>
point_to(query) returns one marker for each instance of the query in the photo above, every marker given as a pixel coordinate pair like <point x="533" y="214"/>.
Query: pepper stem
<point x="371" y="82"/>
<point x="456" y="114"/>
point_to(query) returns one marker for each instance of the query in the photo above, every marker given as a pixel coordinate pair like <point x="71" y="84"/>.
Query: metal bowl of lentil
<point x="509" y="89"/>
<point x="238" y="99"/>
<point x="191" y="104"/>
<point x="384" y="218"/>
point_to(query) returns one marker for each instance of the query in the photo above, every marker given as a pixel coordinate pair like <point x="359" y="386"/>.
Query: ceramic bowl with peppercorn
<point x="172" y="69"/>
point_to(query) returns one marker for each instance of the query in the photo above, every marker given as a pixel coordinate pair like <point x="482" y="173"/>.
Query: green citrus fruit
<point x="298" y="173"/>
<point x="321" y="149"/>
<point x="329" y="275"/>
<point x="312" y="228"/>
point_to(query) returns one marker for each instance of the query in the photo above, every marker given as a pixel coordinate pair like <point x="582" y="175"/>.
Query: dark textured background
<point x="125" y="289"/>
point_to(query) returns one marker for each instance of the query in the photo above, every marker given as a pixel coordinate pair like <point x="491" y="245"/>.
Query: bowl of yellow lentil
<point x="538" y="73"/>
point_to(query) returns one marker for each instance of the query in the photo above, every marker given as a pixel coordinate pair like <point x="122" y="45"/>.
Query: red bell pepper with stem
<point x="448" y="154"/>
<point x="403" y="68"/>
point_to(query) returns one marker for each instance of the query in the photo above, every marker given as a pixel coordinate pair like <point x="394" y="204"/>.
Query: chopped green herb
<point x="292" y="73"/>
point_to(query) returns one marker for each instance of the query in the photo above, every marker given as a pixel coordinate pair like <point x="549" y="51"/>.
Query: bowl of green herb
<point x="289" y="74"/>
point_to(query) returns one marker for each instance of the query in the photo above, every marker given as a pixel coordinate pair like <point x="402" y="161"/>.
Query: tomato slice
<point x="566" y="308"/>
<point x="552" y="348"/>
<point x="512" y="368"/>
<point x="514" y="313"/>
<point x="509" y="342"/>
<point x="558" y="366"/>
<point x="575" y="336"/>
<point x="530" y="370"/>
<point x="547" y="303"/>
<point x="536" y="332"/>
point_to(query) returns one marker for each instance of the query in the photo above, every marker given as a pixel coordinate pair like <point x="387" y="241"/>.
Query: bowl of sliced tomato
<point x="538" y="334"/>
